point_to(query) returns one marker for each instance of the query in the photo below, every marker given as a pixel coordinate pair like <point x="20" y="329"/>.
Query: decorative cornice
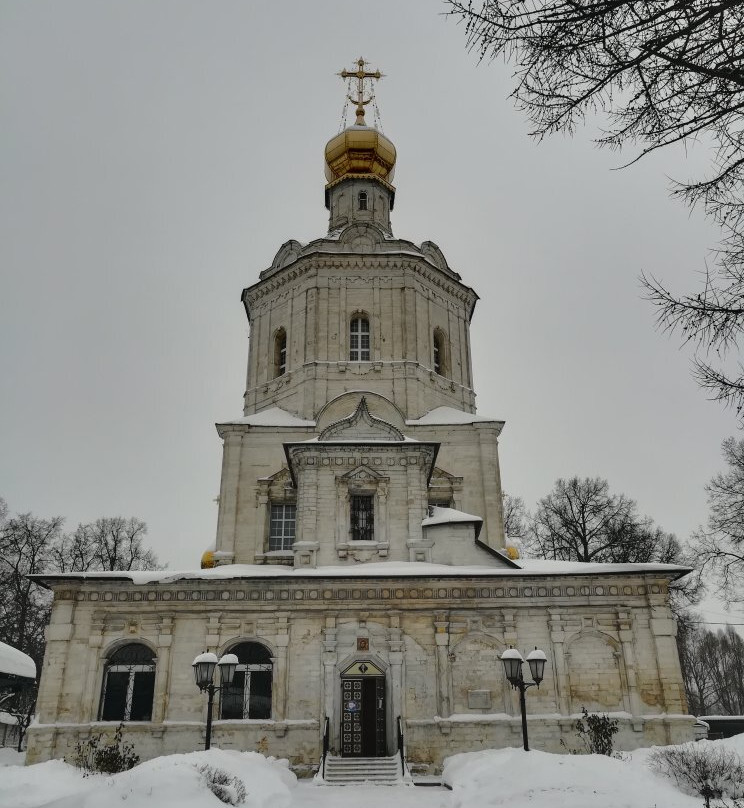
<point x="352" y="261"/>
<point x="514" y="590"/>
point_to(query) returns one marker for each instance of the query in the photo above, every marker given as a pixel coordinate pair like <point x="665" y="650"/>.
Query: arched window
<point x="362" y="200"/>
<point x="280" y="352"/>
<point x="128" y="684"/>
<point x="440" y="353"/>
<point x="249" y="695"/>
<point x="359" y="342"/>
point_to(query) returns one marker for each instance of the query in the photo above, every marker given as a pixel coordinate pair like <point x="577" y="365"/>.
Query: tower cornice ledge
<point x="363" y="262"/>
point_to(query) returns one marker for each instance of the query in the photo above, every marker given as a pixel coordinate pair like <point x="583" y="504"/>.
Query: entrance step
<point x="382" y="771"/>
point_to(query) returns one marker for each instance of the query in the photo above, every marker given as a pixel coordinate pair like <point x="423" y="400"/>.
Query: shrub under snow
<point x="709" y="770"/>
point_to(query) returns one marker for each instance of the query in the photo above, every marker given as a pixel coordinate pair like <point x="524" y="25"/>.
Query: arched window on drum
<point x="249" y="695"/>
<point x="128" y="684"/>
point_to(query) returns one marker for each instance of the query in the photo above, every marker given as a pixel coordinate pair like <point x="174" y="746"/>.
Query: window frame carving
<point x="362" y="481"/>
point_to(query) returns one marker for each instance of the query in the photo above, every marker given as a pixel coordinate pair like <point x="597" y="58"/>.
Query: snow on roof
<point x="544" y="566"/>
<point x="445" y="516"/>
<point x="376" y="569"/>
<point x="16" y="662"/>
<point x="362" y="441"/>
<point x="447" y="415"/>
<point x="273" y="416"/>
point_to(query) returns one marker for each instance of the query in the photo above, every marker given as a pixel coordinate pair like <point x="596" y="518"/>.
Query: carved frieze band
<point x="360" y="592"/>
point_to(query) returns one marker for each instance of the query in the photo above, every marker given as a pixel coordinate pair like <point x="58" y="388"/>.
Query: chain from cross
<point x="360" y="74"/>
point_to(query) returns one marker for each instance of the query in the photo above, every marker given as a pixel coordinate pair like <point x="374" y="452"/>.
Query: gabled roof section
<point x="361" y="425"/>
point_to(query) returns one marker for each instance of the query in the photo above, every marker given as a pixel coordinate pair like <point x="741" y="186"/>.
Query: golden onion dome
<point x="359" y="151"/>
<point x="207" y="560"/>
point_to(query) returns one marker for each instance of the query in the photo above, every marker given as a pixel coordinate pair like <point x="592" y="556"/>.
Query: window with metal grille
<point x="362" y="200"/>
<point x="249" y="695"/>
<point x="359" y="342"/>
<point x="282" y="526"/>
<point x="128" y="684"/>
<point x="362" y="517"/>
<point x="280" y="352"/>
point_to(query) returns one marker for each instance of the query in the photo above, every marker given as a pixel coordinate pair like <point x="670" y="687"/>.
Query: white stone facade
<point x="610" y="641"/>
<point x="360" y="537"/>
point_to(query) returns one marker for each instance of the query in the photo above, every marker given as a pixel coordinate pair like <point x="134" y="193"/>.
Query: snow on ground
<point x="513" y="777"/>
<point x="9" y="757"/>
<point x="172" y="781"/>
<point x="493" y="777"/>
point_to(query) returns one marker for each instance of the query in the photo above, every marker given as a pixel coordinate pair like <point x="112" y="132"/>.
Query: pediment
<point x="435" y="255"/>
<point x="363" y="667"/>
<point x="440" y="475"/>
<point x="281" y="476"/>
<point x="361" y="236"/>
<point x="289" y="251"/>
<point x="361" y="426"/>
<point x="361" y="474"/>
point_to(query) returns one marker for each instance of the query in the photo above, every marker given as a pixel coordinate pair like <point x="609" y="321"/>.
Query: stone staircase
<point x="379" y="771"/>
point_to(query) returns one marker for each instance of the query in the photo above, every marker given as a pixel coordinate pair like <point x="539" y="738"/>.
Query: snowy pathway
<point x="306" y="795"/>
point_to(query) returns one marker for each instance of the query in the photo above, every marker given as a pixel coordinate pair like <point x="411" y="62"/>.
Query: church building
<point x="360" y="573"/>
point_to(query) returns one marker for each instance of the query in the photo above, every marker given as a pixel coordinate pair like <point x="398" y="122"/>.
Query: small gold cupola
<point x="360" y="150"/>
<point x="360" y="162"/>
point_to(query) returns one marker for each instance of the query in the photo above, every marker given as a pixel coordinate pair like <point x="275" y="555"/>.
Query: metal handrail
<point x="326" y="744"/>
<point x="401" y="747"/>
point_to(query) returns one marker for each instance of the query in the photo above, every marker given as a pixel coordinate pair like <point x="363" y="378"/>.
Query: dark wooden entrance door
<point x="363" y="716"/>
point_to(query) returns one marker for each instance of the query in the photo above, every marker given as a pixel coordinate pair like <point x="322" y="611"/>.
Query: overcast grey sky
<point x="155" y="155"/>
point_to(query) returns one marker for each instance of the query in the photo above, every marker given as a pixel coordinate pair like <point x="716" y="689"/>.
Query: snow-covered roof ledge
<point x="380" y="569"/>
<point x="273" y="416"/>
<point x="440" y="416"/>
<point x="16" y="663"/>
<point x="448" y="516"/>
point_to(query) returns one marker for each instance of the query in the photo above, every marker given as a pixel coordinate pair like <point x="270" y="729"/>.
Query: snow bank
<point x="513" y="777"/>
<point x="172" y="781"/>
<point x="9" y="757"/>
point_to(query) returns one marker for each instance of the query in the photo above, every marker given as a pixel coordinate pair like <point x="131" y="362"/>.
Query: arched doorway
<point x="363" y="710"/>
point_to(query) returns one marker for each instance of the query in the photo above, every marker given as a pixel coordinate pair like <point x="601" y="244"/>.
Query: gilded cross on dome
<point x="360" y="74"/>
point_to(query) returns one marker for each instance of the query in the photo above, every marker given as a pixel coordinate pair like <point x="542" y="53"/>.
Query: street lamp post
<point x="513" y="661"/>
<point x="204" y="666"/>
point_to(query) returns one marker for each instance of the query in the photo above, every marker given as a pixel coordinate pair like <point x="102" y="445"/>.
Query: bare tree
<point x="29" y="545"/>
<point x="25" y="548"/>
<point x="721" y="544"/>
<point x="696" y="668"/>
<point x="724" y="651"/>
<point x="110" y="543"/>
<point x="515" y="516"/>
<point x="660" y="73"/>
<point x="580" y="520"/>
<point x="712" y="668"/>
